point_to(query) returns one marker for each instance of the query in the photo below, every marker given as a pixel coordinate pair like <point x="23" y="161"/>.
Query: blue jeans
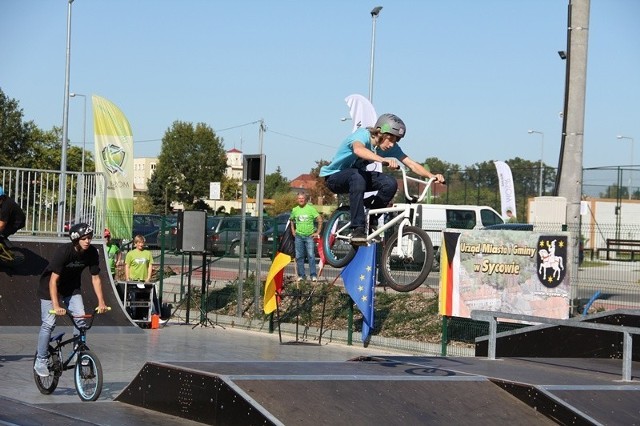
<point x="356" y="182"/>
<point x="305" y="246"/>
<point x="73" y="303"/>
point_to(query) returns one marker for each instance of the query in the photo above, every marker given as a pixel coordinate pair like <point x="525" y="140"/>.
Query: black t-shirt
<point x="69" y="264"/>
<point x="12" y="215"/>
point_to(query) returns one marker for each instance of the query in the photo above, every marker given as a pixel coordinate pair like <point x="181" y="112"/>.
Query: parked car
<point x="511" y="226"/>
<point x="223" y="235"/>
<point x="149" y="226"/>
<point x="275" y="230"/>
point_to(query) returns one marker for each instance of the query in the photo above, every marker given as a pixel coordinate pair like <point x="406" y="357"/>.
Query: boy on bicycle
<point x="61" y="282"/>
<point x="347" y="171"/>
<point x="12" y="218"/>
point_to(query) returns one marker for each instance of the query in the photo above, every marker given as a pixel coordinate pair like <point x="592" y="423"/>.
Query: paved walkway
<point x="123" y="354"/>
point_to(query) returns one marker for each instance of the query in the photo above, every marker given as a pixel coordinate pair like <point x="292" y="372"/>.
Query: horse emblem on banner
<point x="552" y="257"/>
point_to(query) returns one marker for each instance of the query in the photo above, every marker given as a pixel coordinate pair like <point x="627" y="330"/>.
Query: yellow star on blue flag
<point x="359" y="278"/>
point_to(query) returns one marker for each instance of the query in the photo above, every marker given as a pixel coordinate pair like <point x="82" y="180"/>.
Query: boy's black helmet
<point x="79" y="230"/>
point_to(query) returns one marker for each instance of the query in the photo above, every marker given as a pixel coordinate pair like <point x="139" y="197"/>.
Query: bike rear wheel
<point x="46" y="385"/>
<point x="88" y="376"/>
<point x="338" y="250"/>
<point x="406" y="269"/>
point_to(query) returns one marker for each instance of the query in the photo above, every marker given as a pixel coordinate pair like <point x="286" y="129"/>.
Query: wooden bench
<point x="616" y="245"/>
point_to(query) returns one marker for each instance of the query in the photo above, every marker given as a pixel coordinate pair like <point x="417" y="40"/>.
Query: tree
<point x="190" y="158"/>
<point x="230" y="189"/>
<point x="24" y="145"/>
<point x="275" y="184"/>
<point x="320" y="191"/>
<point x="283" y="202"/>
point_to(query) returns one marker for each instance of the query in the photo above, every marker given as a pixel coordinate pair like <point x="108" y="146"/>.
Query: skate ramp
<point x="19" y="302"/>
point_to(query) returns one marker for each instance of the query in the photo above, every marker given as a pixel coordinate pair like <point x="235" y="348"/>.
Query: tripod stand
<point x="204" y="319"/>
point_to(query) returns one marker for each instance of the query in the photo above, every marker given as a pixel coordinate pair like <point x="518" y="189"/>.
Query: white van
<point x="434" y="218"/>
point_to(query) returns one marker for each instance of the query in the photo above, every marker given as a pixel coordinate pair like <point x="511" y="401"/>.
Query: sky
<point x="469" y="78"/>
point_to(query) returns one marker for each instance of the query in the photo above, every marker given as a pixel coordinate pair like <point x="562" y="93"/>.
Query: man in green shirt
<point x="304" y="230"/>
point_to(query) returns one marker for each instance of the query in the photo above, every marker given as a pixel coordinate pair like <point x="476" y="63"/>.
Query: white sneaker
<point x="314" y="279"/>
<point x="41" y="367"/>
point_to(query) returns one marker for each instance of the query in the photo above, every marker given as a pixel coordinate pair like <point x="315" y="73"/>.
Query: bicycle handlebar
<point x="405" y="178"/>
<point x="68" y="312"/>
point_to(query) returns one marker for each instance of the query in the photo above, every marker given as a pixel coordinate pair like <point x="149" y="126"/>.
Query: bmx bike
<point x="87" y="375"/>
<point x="407" y="255"/>
<point x="9" y="255"/>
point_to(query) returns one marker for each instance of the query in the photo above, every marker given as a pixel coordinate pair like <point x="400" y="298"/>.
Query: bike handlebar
<point x="69" y="313"/>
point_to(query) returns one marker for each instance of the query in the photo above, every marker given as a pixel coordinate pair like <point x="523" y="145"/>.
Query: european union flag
<point x="359" y="278"/>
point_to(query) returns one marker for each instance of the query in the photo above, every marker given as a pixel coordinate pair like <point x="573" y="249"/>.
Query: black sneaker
<point x="358" y="237"/>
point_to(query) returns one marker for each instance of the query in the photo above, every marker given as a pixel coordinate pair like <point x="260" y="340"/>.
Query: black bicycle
<point x="9" y="255"/>
<point x="85" y="363"/>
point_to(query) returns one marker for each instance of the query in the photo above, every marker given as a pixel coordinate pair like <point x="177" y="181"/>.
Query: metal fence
<point x="605" y="276"/>
<point x="39" y="195"/>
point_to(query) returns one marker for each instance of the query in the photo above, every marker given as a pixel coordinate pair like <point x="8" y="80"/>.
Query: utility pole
<point x="570" y="183"/>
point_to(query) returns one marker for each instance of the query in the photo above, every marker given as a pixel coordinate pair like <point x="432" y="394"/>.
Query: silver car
<point x="223" y="235"/>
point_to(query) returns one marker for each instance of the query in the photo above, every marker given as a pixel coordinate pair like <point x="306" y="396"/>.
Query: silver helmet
<point x="392" y="124"/>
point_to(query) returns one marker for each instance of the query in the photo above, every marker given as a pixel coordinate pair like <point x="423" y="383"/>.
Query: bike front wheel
<point x="88" y="376"/>
<point x="336" y="244"/>
<point x="405" y="267"/>
<point x="46" y="385"/>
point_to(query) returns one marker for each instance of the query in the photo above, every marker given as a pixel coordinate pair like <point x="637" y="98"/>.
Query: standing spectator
<point x="114" y="256"/>
<point x="511" y="218"/>
<point x="304" y="230"/>
<point x="138" y="264"/>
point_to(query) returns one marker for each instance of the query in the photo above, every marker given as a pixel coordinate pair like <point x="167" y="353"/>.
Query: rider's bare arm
<point x="97" y="288"/>
<point x="53" y="293"/>
<point x="418" y="169"/>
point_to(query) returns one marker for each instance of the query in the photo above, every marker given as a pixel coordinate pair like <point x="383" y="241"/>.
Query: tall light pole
<point x="84" y="125"/>
<point x="630" y="171"/>
<point x="62" y="188"/>
<point x="80" y="186"/>
<point x="374" y="15"/>
<point x="541" y="156"/>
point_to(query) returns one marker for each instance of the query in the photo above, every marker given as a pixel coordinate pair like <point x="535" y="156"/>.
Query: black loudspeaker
<point x="191" y="234"/>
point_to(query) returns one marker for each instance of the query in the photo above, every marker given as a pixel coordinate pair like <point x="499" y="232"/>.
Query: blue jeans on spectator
<point x="356" y="182"/>
<point x="72" y="303"/>
<point x="305" y="246"/>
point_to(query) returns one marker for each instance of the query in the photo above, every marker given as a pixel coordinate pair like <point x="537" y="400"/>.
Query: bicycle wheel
<point x="88" y="376"/>
<point x="338" y="251"/>
<point x="406" y="269"/>
<point x="46" y="385"/>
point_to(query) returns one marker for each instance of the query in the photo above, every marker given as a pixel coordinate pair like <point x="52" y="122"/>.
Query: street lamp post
<point x="632" y="164"/>
<point x="541" y="156"/>
<point x="374" y="15"/>
<point x="84" y="125"/>
<point x="62" y="184"/>
<point x="80" y="186"/>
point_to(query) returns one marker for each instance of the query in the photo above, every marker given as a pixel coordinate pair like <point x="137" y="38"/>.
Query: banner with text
<point x="507" y="193"/>
<point x="114" y="158"/>
<point x="505" y="271"/>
